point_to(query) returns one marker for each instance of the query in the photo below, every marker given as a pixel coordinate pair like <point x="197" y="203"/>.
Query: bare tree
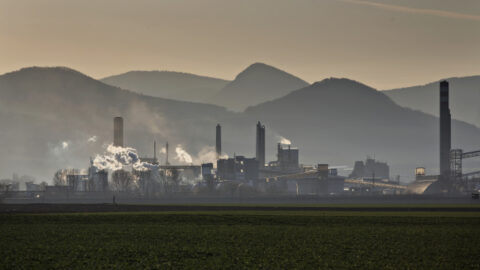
<point x="175" y="179"/>
<point x="59" y="178"/>
<point x="122" y="180"/>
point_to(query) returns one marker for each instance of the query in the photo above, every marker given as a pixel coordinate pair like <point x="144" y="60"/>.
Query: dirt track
<point x="90" y="208"/>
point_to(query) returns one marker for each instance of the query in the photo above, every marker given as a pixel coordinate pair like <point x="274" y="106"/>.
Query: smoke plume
<point x="283" y="140"/>
<point x="117" y="158"/>
<point x="182" y="155"/>
<point x="208" y="155"/>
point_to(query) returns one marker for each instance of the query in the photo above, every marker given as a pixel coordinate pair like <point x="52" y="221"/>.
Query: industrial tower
<point x="445" y="132"/>
<point x="260" y="150"/>
<point x="118" y="131"/>
<point x="218" y="141"/>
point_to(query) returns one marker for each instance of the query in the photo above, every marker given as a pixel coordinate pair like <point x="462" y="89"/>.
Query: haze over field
<point x="308" y="70"/>
<point x="50" y="115"/>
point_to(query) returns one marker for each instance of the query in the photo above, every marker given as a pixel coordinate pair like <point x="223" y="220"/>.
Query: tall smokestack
<point x="260" y="150"/>
<point x="118" y="131"/>
<point x="154" y="150"/>
<point x="166" y="153"/>
<point x="445" y="131"/>
<point x="218" y="141"/>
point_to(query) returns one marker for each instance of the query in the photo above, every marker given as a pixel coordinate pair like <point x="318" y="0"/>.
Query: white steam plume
<point x="60" y="148"/>
<point x="182" y="155"/>
<point x="92" y="139"/>
<point x="117" y="158"/>
<point x="342" y="167"/>
<point x="284" y="140"/>
<point x="65" y="145"/>
<point x="208" y="155"/>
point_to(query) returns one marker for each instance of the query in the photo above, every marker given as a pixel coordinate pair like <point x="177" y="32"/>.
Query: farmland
<point x="241" y="239"/>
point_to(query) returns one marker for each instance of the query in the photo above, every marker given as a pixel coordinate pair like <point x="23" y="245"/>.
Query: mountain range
<point x="464" y="98"/>
<point x="53" y="118"/>
<point x="261" y="83"/>
<point x="256" y="84"/>
<point x="169" y="84"/>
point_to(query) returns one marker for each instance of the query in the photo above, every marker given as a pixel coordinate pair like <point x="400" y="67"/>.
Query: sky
<point x="383" y="43"/>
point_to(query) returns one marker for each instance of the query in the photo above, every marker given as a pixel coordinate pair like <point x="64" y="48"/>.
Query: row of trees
<point x="122" y="180"/>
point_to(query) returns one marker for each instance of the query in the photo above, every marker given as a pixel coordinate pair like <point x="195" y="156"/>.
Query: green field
<point x="241" y="240"/>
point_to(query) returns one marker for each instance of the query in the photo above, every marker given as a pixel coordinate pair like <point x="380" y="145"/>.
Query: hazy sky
<point x="384" y="43"/>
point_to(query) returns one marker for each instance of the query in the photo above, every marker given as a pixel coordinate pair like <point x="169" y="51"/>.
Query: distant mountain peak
<point x="36" y="69"/>
<point x="164" y="73"/>
<point x="339" y="81"/>
<point x="257" y="83"/>
<point x="259" y="65"/>
<point x="48" y="73"/>
<point x="349" y="93"/>
<point x="259" y="70"/>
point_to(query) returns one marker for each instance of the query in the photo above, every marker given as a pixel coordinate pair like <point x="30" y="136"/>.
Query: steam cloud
<point x="342" y="167"/>
<point x="117" y="158"/>
<point x="65" y="145"/>
<point x="60" y="148"/>
<point x="206" y="155"/>
<point x="182" y="155"/>
<point x="284" y="140"/>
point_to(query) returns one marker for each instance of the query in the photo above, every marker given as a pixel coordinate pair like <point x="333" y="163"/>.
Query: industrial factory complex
<point x="121" y="174"/>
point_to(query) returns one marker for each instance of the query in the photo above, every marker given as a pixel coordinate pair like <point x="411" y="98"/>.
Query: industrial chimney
<point x="166" y="154"/>
<point x="154" y="150"/>
<point x="445" y="132"/>
<point x="118" y="131"/>
<point x="260" y="151"/>
<point x="218" y="141"/>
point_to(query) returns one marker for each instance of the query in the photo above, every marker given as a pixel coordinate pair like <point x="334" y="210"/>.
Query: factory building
<point x="118" y="131"/>
<point x="371" y="168"/>
<point x="122" y="180"/>
<point x="287" y="161"/>
<point x="31" y="187"/>
<point x="287" y="157"/>
<point x="320" y="183"/>
<point x="98" y="180"/>
<point x="208" y="175"/>
<point x="9" y="185"/>
<point x="77" y="182"/>
<point x="207" y="170"/>
<point x="237" y="168"/>
<point x="260" y="145"/>
<point x="145" y="182"/>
